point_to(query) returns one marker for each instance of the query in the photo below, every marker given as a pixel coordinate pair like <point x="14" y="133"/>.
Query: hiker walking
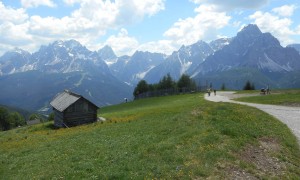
<point x="268" y="90"/>
<point x="208" y="92"/>
<point x="215" y="92"/>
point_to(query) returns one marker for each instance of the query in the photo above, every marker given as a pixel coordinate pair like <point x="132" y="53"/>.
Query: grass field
<point x="175" y="137"/>
<point x="277" y="97"/>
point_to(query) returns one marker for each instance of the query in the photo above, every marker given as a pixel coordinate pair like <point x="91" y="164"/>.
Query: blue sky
<point x="146" y="25"/>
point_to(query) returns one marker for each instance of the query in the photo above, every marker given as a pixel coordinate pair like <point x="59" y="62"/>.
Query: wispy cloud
<point x="286" y="10"/>
<point x="36" y="3"/>
<point x="233" y="4"/>
<point x="278" y="23"/>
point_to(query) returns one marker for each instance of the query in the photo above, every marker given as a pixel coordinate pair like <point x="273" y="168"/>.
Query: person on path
<point x="208" y="92"/>
<point x="215" y="92"/>
<point x="268" y="90"/>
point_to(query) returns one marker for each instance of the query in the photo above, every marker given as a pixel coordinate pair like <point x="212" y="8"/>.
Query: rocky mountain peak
<point x="69" y="44"/>
<point x="219" y="43"/>
<point x="19" y="51"/>
<point x="107" y="53"/>
<point x="72" y="44"/>
<point x="251" y="30"/>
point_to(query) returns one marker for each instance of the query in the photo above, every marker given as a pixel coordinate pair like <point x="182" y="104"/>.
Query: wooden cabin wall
<point x="58" y="118"/>
<point x="81" y="112"/>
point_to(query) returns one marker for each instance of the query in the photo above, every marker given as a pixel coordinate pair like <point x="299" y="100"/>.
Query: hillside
<point x="174" y="137"/>
<point x="23" y="112"/>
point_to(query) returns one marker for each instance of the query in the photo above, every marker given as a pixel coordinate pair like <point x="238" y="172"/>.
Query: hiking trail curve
<point x="288" y="115"/>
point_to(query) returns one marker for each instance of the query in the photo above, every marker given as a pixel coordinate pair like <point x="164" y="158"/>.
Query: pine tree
<point x="247" y="86"/>
<point x="186" y="82"/>
<point x="141" y="87"/>
<point x="166" y="82"/>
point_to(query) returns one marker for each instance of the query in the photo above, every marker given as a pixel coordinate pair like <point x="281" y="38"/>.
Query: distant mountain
<point x="219" y="43"/>
<point x="25" y="113"/>
<point x="67" y="56"/>
<point x="33" y="90"/>
<point x="134" y="68"/>
<point x="14" y="61"/>
<point x="295" y="46"/>
<point x="31" y="81"/>
<point x="251" y="49"/>
<point x="182" y="61"/>
<point x="236" y="78"/>
<point x="108" y="55"/>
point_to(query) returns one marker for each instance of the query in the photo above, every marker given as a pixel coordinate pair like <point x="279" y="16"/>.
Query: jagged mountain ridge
<point x="219" y="43"/>
<point x="295" y="46"/>
<point x="108" y="55"/>
<point x="133" y="69"/>
<point x="58" y="57"/>
<point x="252" y="48"/>
<point x="58" y="66"/>
<point x="182" y="61"/>
<point x="14" y="61"/>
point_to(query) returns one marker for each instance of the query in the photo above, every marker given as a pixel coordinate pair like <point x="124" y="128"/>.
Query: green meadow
<point x="277" y="97"/>
<point x="172" y="137"/>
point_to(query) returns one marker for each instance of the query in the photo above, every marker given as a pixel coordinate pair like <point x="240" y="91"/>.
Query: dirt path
<point x="288" y="115"/>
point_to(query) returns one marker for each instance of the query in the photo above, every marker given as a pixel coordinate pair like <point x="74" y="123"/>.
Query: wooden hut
<point x="72" y="109"/>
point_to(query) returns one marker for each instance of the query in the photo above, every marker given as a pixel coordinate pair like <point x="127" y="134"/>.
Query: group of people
<point x="265" y="91"/>
<point x="209" y="90"/>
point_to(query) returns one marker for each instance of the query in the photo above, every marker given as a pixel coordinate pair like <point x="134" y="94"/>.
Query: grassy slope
<point x="169" y="137"/>
<point x="277" y="97"/>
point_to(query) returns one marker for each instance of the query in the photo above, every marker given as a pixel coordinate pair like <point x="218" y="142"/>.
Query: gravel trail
<point x="288" y="115"/>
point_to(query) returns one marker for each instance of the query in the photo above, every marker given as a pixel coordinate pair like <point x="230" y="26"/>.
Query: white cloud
<point x="233" y="4"/>
<point x="162" y="46"/>
<point x="86" y="24"/>
<point x="122" y="43"/>
<point x="204" y="26"/>
<point x="285" y="11"/>
<point x="279" y="27"/>
<point x="9" y="14"/>
<point x="13" y="28"/>
<point x="35" y="3"/>
<point x="71" y="2"/>
<point x="149" y="7"/>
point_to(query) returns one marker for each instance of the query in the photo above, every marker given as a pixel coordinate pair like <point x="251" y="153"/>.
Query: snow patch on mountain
<point x="143" y="74"/>
<point x="185" y="66"/>
<point x="110" y="62"/>
<point x="272" y="65"/>
<point x="80" y="80"/>
<point x="81" y="56"/>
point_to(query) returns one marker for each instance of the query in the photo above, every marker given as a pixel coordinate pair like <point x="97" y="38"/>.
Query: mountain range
<point x="30" y="80"/>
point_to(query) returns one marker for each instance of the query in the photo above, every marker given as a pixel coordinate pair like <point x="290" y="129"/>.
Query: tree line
<point x="166" y="83"/>
<point x="9" y="120"/>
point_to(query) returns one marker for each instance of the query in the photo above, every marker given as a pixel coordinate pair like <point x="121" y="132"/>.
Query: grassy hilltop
<point x="175" y="137"/>
<point x="290" y="97"/>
